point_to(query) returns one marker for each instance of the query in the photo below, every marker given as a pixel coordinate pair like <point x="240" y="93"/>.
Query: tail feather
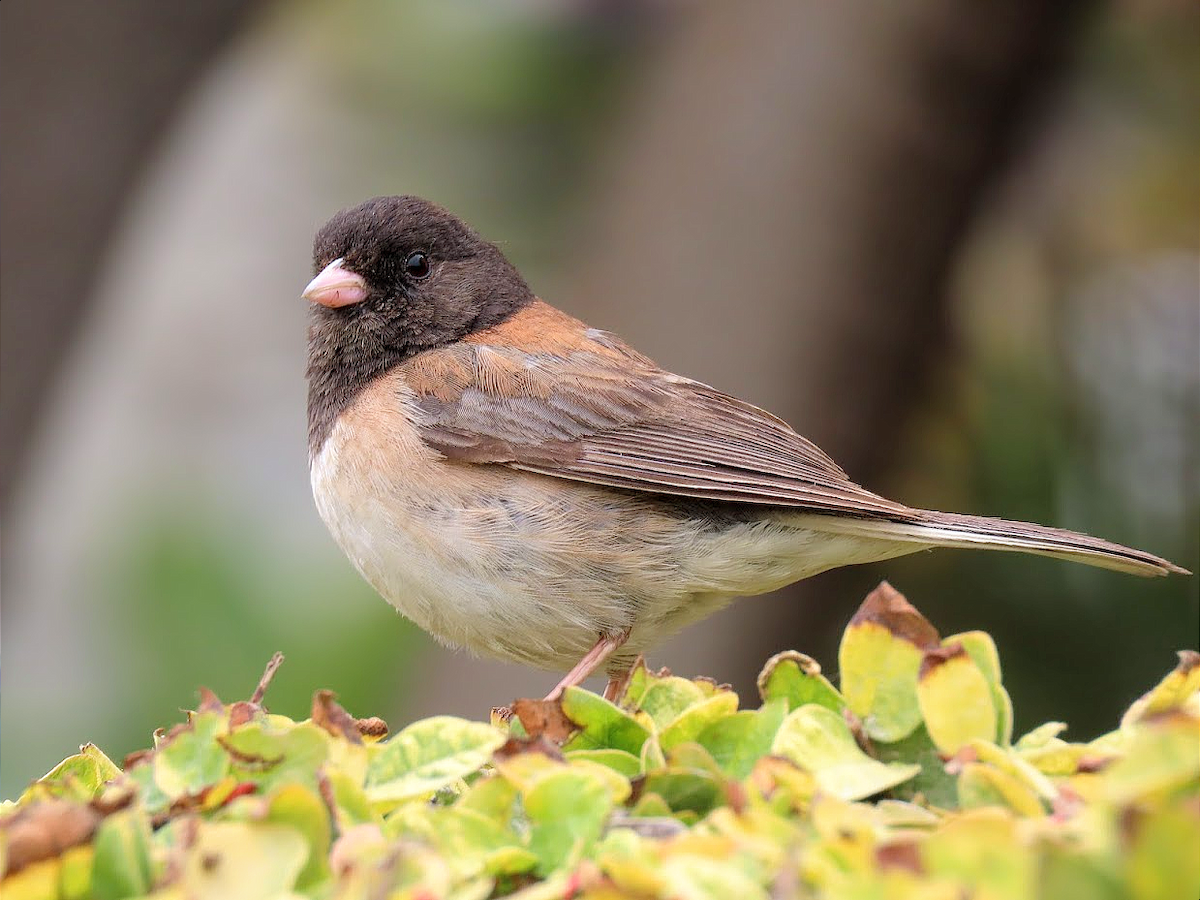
<point x="939" y="529"/>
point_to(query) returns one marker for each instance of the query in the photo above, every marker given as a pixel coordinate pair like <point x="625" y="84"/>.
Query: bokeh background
<point x="953" y="243"/>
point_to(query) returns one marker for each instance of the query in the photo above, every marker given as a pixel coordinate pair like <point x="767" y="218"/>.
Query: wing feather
<point x="597" y="412"/>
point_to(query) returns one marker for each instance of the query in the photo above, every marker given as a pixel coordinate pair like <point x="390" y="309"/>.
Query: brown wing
<point x="576" y="403"/>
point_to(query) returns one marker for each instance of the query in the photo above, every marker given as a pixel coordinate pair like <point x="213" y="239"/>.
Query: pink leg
<point x="616" y="685"/>
<point x="590" y="663"/>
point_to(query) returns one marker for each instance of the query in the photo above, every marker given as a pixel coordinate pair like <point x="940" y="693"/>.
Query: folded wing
<point x="596" y="411"/>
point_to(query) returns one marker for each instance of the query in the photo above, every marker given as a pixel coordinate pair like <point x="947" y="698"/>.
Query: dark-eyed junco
<point x="533" y="489"/>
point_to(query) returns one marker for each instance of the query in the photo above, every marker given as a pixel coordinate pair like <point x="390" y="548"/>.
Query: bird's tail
<point x="939" y="529"/>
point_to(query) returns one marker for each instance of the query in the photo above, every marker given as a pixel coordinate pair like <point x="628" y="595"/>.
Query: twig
<point x="264" y="682"/>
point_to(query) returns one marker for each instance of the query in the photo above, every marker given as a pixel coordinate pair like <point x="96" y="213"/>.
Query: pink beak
<point x="335" y="286"/>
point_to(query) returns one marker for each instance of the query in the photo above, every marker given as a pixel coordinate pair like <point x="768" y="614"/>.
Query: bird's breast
<point x="507" y="563"/>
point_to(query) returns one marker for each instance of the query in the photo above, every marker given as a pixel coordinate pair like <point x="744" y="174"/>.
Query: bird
<point x="533" y="489"/>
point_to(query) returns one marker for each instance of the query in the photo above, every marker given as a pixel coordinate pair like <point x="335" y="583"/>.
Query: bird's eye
<point x="417" y="265"/>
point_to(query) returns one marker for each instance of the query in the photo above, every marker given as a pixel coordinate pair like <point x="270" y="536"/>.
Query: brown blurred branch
<point x="86" y="90"/>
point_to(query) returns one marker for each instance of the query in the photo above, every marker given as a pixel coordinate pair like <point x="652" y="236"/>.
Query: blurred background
<point x="954" y="244"/>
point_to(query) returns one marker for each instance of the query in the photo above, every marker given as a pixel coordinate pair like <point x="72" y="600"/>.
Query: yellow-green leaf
<point x="1164" y="861"/>
<point x="685" y="790"/>
<point x="665" y="698"/>
<point x="819" y="741"/>
<point x="192" y="760"/>
<point x="567" y="810"/>
<point x="797" y="679"/>
<point x="879" y="658"/>
<point x="620" y="761"/>
<point x="428" y="755"/>
<point x="123" y="851"/>
<point x="982" y="648"/>
<point x="955" y="699"/>
<point x="696" y="718"/>
<point x="269" y="755"/>
<point x="982" y="849"/>
<point x="87" y="771"/>
<point x="300" y="807"/>
<point x="243" y="861"/>
<point x="982" y="785"/>
<point x="466" y="839"/>
<point x="492" y="796"/>
<point x="1180" y="684"/>
<point x="1040" y="736"/>
<point x="1162" y="755"/>
<point x="602" y="725"/>
<point x="738" y="741"/>
<point x="700" y="877"/>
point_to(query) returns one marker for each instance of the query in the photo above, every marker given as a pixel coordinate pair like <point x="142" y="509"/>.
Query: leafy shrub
<point x="904" y="782"/>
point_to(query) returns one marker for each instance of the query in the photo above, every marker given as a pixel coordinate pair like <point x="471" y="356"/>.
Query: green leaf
<point x="1008" y="760"/>
<point x="692" y="756"/>
<point x="714" y="802"/>
<point x="66" y="876"/>
<point x="789" y="787"/>
<point x="818" y="740"/>
<point x="153" y="800"/>
<point x="271" y="756"/>
<point x="696" y="718"/>
<point x="620" y="761"/>
<point x="902" y="814"/>
<point x="879" y="658"/>
<point x="686" y="790"/>
<point x="353" y="807"/>
<point x="1055" y="757"/>
<point x="88" y="771"/>
<point x="567" y="811"/>
<point x="937" y="786"/>
<point x="602" y="725"/>
<point x="524" y="770"/>
<point x="1066" y="871"/>
<point x="491" y="796"/>
<point x="428" y="755"/>
<point x="650" y="806"/>
<point x="618" y="785"/>
<point x="508" y="861"/>
<point x="665" y="698"/>
<point x="192" y="760"/>
<point x="639" y="682"/>
<point x="797" y="679"/>
<point x="738" y="741"/>
<point x="75" y="874"/>
<point x="121" y="867"/>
